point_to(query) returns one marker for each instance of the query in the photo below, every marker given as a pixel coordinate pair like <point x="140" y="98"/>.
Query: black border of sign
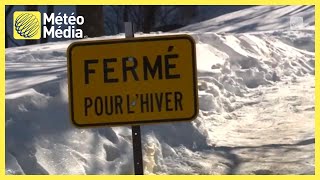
<point x="139" y="39"/>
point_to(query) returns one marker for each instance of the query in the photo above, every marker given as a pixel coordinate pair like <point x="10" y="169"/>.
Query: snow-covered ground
<point x="256" y="95"/>
<point x="258" y="18"/>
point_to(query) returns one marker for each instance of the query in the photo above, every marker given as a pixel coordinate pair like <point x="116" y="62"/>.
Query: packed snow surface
<point x="256" y="97"/>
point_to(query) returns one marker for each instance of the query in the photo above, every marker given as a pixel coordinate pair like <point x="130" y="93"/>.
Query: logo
<point x="27" y="25"/>
<point x="62" y="25"/>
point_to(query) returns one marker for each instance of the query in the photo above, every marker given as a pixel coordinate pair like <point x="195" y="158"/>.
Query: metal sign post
<point x="137" y="150"/>
<point x="136" y="133"/>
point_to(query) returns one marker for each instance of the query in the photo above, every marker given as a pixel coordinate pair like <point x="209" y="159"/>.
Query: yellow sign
<point x="132" y="81"/>
<point x="27" y="25"/>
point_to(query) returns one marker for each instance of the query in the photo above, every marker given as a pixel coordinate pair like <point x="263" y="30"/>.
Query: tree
<point x="148" y="18"/>
<point x="186" y="13"/>
<point x="149" y="14"/>
<point x="8" y="10"/>
<point x="125" y="14"/>
<point x="31" y="8"/>
<point x="94" y="20"/>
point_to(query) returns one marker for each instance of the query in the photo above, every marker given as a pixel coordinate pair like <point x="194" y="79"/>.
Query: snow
<point x="256" y="97"/>
<point x="258" y="18"/>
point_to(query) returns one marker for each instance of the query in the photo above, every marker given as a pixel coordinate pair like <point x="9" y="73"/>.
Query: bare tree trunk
<point x="149" y="13"/>
<point x="50" y="10"/>
<point x="31" y="8"/>
<point x="125" y="14"/>
<point x="186" y="13"/>
<point x="8" y="10"/>
<point x="93" y="20"/>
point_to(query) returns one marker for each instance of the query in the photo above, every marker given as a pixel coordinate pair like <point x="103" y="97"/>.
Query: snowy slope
<point x="258" y="18"/>
<point x="256" y="95"/>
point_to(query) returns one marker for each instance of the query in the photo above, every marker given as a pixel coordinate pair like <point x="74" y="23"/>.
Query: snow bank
<point x="258" y="18"/>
